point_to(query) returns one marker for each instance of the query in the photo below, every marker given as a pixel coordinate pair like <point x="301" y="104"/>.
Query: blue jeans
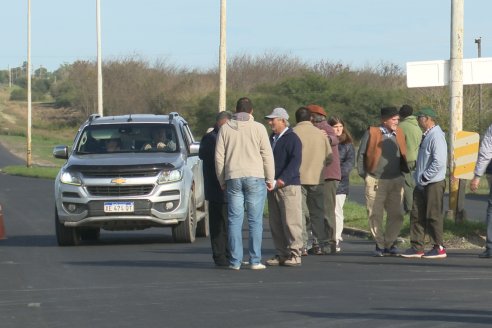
<point x="488" y="219"/>
<point x="245" y="194"/>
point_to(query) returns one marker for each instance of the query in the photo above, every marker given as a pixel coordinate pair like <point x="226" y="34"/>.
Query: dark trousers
<point x="426" y="216"/>
<point x="408" y="188"/>
<point x="217" y="213"/>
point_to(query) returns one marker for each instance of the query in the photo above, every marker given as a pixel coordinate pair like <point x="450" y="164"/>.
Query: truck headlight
<point x="71" y="178"/>
<point x="169" y="176"/>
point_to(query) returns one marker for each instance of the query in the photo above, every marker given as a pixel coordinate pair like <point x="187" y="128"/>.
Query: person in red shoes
<point x="426" y="216"/>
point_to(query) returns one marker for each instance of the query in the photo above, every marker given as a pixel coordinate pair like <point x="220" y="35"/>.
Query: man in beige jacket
<point x="316" y="153"/>
<point x="245" y="169"/>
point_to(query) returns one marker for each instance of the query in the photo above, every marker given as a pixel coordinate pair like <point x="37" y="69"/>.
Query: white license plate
<point x="118" y="207"/>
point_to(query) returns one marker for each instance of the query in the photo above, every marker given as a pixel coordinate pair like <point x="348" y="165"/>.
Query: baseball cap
<point x="429" y="112"/>
<point x="278" y="113"/>
<point x="316" y="109"/>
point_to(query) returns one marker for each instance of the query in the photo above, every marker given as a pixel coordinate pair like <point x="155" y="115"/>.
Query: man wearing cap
<point x="484" y="166"/>
<point x="332" y="173"/>
<point x="244" y="164"/>
<point x="284" y="201"/>
<point x="413" y="136"/>
<point x="316" y="153"/>
<point x="426" y="216"/>
<point x="381" y="162"/>
<point x="217" y="204"/>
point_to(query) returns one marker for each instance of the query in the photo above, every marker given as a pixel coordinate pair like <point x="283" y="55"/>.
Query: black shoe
<point x="378" y="252"/>
<point x="223" y="263"/>
<point x="485" y="255"/>
<point x="315" y="250"/>
<point x="393" y="251"/>
<point x="330" y="249"/>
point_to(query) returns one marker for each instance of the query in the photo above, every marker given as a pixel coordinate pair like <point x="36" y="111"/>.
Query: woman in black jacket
<point x="347" y="159"/>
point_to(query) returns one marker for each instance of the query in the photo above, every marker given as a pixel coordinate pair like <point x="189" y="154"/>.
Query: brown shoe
<point x="304" y="252"/>
<point x="293" y="260"/>
<point x="275" y="261"/>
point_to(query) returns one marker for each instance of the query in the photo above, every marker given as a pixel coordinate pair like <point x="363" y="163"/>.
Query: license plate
<point x="118" y="207"/>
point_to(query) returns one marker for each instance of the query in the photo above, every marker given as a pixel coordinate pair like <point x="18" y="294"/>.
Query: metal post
<point x="456" y="100"/>
<point x="222" y="57"/>
<point x="479" y="48"/>
<point x="99" y="60"/>
<point x="29" y="103"/>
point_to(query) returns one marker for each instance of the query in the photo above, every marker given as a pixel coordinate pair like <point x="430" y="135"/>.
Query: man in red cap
<point x="316" y="153"/>
<point x="331" y="173"/>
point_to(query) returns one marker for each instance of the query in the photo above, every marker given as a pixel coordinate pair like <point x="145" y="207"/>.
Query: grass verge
<point x="463" y="235"/>
<point x="42" y="172"/>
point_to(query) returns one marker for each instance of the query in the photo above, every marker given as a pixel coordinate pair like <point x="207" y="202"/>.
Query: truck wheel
<point x="185" y="231"/>
<point x="89" y="234"/>
<point x="65" y="236"/>
<point x="203" y="226"/>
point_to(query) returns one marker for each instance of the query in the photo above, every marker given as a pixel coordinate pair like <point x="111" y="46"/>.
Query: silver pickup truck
<point x="130" y="172"/>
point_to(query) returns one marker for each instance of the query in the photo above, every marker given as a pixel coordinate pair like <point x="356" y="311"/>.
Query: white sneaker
<point x="257" y="266"/>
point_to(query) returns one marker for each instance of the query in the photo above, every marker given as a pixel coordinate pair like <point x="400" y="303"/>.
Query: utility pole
<point x="222" y="57"/>
<point x="479" y="48"/>
<point x="28" y="69"/>
<point x="10" y="77"/>
<point x="99" y="60"/>
<point x="456" y="186"/>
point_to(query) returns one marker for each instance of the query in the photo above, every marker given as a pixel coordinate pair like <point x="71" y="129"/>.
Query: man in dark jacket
<point x="284" y="201"/>
<point x="217" y="209"/>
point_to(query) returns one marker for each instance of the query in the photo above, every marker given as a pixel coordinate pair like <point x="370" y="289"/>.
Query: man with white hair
<point x="284" y="201"/>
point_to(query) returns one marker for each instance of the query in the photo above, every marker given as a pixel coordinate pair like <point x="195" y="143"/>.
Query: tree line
<point x="133" y="85"/>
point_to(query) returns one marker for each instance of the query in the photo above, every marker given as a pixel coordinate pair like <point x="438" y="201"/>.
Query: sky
<point x="185" y="33"/>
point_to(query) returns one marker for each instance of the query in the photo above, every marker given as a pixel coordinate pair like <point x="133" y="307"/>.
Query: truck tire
<point x="203" y="226"/>
<point x="65" y="236"/>
<point x="185" y="231"/>
<point x="89" y="234"/>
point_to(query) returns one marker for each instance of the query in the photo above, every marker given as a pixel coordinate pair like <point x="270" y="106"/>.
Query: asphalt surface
<point x="142" y="279"/>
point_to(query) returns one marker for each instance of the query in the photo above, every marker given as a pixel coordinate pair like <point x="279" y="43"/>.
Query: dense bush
<point x="132" y="85"/>
<point x="18" y="94"/>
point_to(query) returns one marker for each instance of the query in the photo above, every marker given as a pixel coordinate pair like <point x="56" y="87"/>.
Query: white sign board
<point x="436" y="73"/>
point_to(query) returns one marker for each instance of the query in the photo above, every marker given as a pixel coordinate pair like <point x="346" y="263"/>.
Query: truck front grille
<point x="120" y="191"/>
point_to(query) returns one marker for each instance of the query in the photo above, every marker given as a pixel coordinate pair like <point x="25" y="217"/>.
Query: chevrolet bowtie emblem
<point x="118" y="181"/>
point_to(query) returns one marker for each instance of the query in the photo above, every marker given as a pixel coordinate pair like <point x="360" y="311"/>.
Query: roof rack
<point x="93" y="116"/>
<point x="173" y="115"/>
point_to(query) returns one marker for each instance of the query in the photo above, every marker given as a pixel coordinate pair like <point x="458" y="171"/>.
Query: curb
<point x="357" y="232"/>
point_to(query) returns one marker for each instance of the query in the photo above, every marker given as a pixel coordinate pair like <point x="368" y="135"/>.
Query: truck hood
<point x="174" y="160"/>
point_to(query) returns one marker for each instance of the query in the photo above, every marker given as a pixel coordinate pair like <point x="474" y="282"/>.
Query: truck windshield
<point x="121" y="138"/>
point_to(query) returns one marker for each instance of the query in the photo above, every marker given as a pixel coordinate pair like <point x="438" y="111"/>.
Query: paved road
<point x="475" y="205"/>
<point x="141" y="279"/>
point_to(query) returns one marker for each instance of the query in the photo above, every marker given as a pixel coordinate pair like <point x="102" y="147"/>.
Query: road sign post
<point x="456" y="72"/>
<point x="438" y="73"/>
